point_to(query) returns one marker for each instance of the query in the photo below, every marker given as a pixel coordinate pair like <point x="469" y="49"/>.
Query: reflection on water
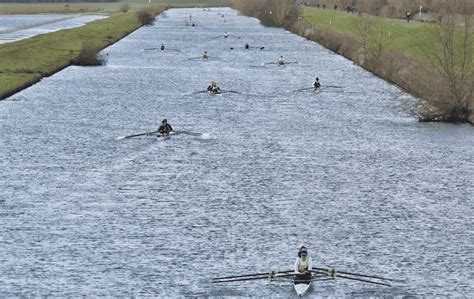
<point x="344" y="171"/>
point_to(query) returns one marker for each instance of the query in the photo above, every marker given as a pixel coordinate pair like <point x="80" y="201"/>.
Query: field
<point x="402" y="34"/>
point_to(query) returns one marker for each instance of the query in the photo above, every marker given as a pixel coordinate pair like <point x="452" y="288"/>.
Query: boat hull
<point x="301" y="284"/>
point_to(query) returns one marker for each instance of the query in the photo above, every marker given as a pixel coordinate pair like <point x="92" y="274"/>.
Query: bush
<point x="270" y="12"/>
<point x="124" y="7"/>
<point x="88" y="55"/>
<point x="146" y="17"/>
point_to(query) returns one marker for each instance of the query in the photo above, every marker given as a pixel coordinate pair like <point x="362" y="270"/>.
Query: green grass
<point x="342" y="22"/>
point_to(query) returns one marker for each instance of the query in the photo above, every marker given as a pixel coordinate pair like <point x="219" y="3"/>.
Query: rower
<point x="280" y="61"/>
<point x="302" y="265"/>
<point x="247" y="46"/>
<point x="204" y="55"/>
<point x="214" y="88"/>
<point x="317" y="84"/>
<point x="162" y="47"/>
<point x="226" y="35"/>
<point x="165" y="128"/>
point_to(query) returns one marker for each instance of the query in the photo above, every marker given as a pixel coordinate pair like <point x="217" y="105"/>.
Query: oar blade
<point x="364" y="280"/>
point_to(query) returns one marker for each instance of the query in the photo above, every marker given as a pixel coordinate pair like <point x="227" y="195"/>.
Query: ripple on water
<point x="345" y="171"/>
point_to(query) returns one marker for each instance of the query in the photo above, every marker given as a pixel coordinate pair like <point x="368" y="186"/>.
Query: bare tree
<point x="449" y="49"/>
<point x="364" y="28"/>
<point x="375" y="37"/>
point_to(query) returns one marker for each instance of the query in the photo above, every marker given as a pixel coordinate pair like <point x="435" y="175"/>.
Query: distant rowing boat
<point x="162" y="137"/>
<point x="280" y="63"/>
<point x="312" y="88"/>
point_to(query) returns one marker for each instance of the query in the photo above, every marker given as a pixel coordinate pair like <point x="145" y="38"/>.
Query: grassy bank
<point x="342" y="22"/>
<point x="25" y="62"/>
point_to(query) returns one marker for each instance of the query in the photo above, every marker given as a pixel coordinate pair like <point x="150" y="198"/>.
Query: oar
<point x="364" y="280"/>
<point x="138" y="135"/>
<point x="301" y="89"/>
<point x="334" y="271"/>
<point x="230" y="91"/>
<point x="255" y="274"/>
<point x="251" y="278"/>
<point x="333" y="86"/>
<point x="194" y="58"/>
<point x="189" y="133"/>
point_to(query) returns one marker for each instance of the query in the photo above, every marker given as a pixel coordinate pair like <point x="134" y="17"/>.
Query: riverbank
<point x="391" y="50"/>
<point x="431" y="61"/>
<point x="25" y="62"/>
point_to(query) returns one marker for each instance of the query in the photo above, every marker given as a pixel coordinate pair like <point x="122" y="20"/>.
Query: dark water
<point x="345" y="171"/>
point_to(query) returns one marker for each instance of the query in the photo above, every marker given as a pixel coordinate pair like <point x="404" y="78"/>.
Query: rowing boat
<point x="162" y="137"/>
<point x="302" y="282"/>
<point x="301" y="285"/>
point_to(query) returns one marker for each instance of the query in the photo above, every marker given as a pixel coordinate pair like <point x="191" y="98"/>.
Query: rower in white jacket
<point x="303" y="264"/>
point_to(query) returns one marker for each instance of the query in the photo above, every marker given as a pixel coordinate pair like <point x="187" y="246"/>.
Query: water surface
<point x="346" y="172"/>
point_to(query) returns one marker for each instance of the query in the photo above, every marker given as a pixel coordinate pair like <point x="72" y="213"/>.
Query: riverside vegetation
<point x="433" y="61"/>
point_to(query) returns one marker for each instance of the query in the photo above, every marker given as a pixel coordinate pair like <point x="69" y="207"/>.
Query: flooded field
<point x="17" y="27"/>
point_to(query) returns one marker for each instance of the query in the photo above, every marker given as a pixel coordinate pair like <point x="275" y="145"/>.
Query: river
<point x="346" y="172"/>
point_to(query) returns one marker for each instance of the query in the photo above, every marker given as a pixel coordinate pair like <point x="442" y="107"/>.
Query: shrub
<point x="124" y="7"/>
<point x="88" y="55"/>
<point x="146" y="17"/>
<point x="270" y="12"/>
